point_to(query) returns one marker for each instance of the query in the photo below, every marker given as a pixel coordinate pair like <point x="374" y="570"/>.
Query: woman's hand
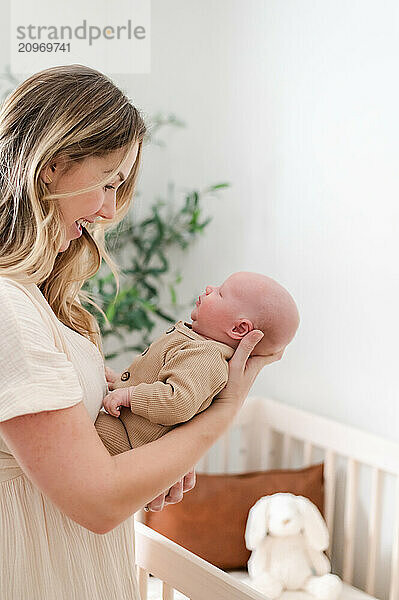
<point x="244" y="370"/>
<point x="111" y="376"/>
<point x="174" y="494"/>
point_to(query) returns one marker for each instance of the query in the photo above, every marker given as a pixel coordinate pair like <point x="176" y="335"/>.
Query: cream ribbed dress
<point x="44" y="555"/>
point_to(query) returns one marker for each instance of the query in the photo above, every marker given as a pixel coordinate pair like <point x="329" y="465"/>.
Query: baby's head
<point x="247" y="301"/>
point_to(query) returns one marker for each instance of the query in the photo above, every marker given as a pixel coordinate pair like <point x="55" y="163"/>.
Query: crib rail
<point x="179" y="569"/>
<point x="264" y="435"/>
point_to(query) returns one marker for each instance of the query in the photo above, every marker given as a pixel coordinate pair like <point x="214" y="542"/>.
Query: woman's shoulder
<point x="9" y="283"/>
<point x="21" y="296"/>
<point x="22" y="307"/>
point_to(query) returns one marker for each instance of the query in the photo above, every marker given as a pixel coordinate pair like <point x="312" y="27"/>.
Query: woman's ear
<point x="57" y="167"/>
<point x="240" y="328"/>
<point x="46" y="174"/>
<point x="257" y="523"/>
<point x="315" y="529"/>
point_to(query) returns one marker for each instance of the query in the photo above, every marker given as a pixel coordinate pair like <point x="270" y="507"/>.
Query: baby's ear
<point x="240" y="328"/>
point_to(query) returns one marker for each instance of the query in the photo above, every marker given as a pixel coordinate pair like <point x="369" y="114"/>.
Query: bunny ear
<point x="256" y="528"/>
<point x="315" y="531"/>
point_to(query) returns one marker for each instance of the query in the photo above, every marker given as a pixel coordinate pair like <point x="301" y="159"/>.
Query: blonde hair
<point x="73" y="112"/>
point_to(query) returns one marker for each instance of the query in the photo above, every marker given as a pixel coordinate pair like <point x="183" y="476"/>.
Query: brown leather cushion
<point x="211" y="519"/>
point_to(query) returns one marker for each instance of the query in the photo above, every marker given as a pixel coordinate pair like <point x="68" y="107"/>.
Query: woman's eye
<point x="109" y="187"/>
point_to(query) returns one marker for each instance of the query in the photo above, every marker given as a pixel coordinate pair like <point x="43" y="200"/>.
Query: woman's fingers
<point x="175" y="493"/>
<point x="244" y="369"/>
<point x="262" y="361"/>
<point x="189" y="481"/>
<point x="256" y="363"/>
<point x="158" y="503"/>
<point x="111" y="376"/>
<point x="185" y="484"/>
<point x="244" y="349"/>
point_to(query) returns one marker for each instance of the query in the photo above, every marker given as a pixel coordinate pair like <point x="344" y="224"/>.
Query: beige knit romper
<point x="175" y="378"/>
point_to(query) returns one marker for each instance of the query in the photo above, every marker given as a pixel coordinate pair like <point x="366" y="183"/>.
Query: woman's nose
<point x="108" y="209"/>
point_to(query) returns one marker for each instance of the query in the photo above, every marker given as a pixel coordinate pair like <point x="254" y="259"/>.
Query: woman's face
<point x="100" y="202"/>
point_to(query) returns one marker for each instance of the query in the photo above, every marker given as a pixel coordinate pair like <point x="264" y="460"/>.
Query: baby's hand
<point x="119" y="397"/>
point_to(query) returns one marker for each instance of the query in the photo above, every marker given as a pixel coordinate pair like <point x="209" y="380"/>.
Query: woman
<point x="70" y="148"/>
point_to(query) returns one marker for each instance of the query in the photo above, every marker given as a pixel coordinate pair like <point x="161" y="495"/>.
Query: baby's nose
<point x="208" y="289"/>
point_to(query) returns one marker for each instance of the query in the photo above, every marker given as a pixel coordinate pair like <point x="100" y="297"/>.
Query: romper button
<point x="145" y="351"/>
<point x="125" y="376"/>
<point x="170" y="330"/>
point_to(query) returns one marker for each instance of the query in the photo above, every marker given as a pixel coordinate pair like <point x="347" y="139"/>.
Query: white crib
<point x="364" y="536"/>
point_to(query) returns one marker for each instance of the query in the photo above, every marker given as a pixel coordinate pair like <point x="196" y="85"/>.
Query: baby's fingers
<point x="112" y="409"/>
<point x="111" y="403"/>
<point x="117" y="398"/>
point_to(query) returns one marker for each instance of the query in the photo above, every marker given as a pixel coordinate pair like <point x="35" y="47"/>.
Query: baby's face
<point x="218" y="307"/>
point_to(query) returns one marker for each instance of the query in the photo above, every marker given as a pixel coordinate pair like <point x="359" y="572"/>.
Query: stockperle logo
<point x="114" y="38"/>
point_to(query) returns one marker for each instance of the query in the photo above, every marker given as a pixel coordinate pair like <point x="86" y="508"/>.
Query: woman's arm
<point x="175" y="493"/>
<point x="186" y="483"/>
<point x="62" y="454"/>
<point x="203" y="429"/>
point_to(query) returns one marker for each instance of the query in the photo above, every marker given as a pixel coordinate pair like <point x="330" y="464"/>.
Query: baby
<point x="180" y="373"/>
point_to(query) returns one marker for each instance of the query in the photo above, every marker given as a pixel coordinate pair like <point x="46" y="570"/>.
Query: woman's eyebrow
<point x="121" y="175"/>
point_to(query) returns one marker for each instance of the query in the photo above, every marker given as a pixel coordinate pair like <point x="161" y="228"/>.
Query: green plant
<point x="146" y="243"/>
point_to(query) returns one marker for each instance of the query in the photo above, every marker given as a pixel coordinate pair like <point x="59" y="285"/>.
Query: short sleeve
<point x="34" y="374"/>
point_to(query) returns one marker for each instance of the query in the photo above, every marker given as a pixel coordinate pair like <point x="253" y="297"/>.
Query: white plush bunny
<point x="287" y="536"/>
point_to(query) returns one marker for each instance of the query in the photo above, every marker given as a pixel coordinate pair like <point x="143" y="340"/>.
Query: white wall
<point x="296" y="104"/>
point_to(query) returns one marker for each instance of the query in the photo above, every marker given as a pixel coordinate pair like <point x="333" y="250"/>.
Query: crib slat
<point x="267" y="448"/>
<point x="205" y="463"/>
<point x="329" y="478"/>
<point x="252" y="434"/>
<point x="226" y="450"/>
<point x="286" y="451"/>
<point x="167" y="591"/>
<point x="307" y="453"/>
<point x="199" y="466"/>
<point x="374" y="525"/>
<point x="394" y="587"/>
<point x="350" y="519"/>
<point x="143" y="583"/>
